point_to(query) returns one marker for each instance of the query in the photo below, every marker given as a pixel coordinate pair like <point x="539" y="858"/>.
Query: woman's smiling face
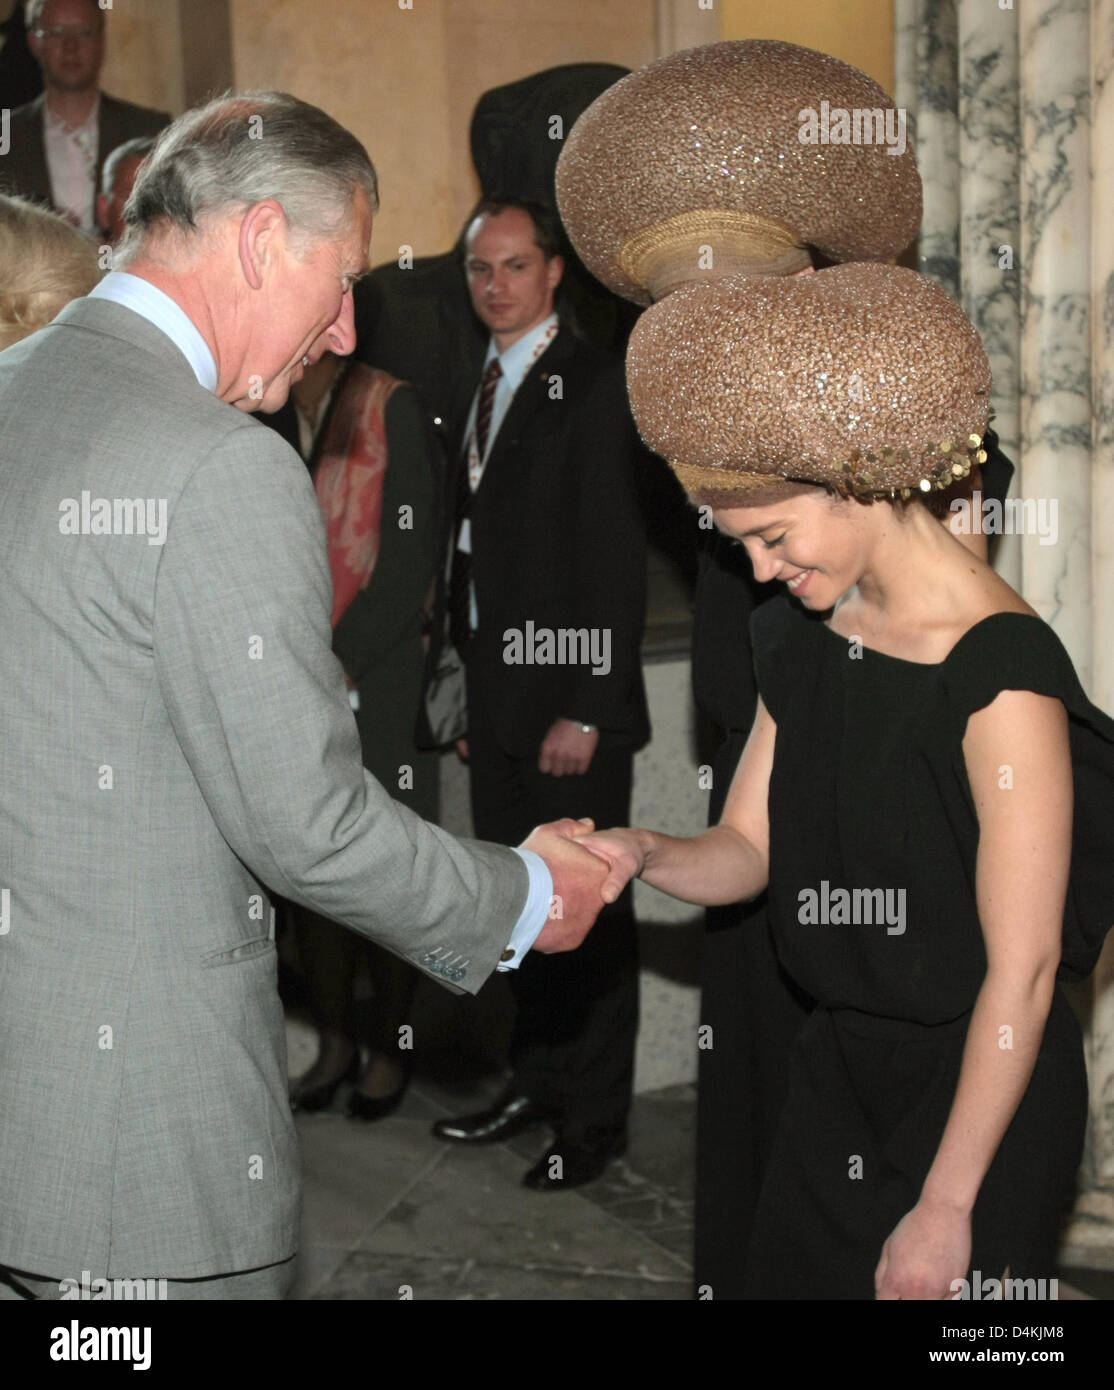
<point x="813" y="542"/>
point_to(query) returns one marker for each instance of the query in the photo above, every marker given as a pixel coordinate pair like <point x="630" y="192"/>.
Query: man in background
<point x="549" y="537"/>
<point x="59" y="141"/>
<point x="117" y="181"/>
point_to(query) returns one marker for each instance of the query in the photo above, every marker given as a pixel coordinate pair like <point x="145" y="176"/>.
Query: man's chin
<point x="267" y="405"/>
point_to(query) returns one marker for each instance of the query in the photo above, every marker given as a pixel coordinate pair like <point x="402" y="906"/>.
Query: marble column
<point x="937" y="141"/>
<point x="1055" y="305"/>
<point x="1033" y="171"/>
<point x="989" y="227"/>
<point x="1090" y="1237"/>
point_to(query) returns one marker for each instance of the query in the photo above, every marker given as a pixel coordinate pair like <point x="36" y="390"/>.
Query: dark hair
<point x="548" y="236"/>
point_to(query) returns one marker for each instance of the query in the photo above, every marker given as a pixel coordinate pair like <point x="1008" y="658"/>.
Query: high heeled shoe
<point x="361" y="1107"/>
<point x="321" y="1097"/>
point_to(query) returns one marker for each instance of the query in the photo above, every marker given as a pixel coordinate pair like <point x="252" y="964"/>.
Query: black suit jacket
<point x="558" y="542"/>
<point x="24" y="171"/>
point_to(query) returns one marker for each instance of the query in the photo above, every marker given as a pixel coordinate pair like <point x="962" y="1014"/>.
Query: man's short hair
<point x="44" y="263"/>
<point x="139" y="148"/>
<point x="548" y="235"/>
<point x="33" y="12"/>
<point x="244" y="148"/>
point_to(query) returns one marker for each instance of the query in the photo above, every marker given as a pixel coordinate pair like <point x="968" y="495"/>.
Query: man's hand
<point x="462" y="749"/>
<point x="565" y="750"/>
<point x="578" y="879"/>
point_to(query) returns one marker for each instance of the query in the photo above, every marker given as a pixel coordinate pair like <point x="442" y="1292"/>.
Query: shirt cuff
<point x="534" y="915"/>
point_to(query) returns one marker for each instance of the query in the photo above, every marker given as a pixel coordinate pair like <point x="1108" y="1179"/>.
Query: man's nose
<point x="341" y="334"/>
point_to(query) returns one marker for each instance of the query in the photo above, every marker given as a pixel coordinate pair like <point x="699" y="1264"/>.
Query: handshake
<point x="589" y="869"/>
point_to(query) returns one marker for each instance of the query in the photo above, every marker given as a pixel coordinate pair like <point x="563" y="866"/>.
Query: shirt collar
<point x="88" y="125"/>
<point x="515" y="362"/>
<point x="166" y="314"/>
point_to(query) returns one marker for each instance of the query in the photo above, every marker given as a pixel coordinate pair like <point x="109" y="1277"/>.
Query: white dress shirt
<point x="145" y="299"/>
<point x="71" y="158"/>
<point x="514" y="365"/>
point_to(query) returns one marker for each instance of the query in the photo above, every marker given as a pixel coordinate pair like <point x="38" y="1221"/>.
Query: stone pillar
<point x="1033" y="170"/>
<point x="1055" y="336"/>
<point x="989" y="228"/>
<point x="1090" y="1237"/>
<point x="936" y="135"/>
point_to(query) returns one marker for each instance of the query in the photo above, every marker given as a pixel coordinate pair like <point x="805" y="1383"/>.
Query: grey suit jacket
<point x="24" y="170"/>
<point x="176" y="739"/>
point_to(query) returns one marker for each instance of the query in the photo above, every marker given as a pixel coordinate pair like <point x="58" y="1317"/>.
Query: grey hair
<point x="33" y="12"/>
<point x="139" y="148"/>
<point x="241" y="149"/>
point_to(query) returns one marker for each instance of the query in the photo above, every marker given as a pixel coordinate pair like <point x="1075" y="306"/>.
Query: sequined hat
<point x="734" y="158"/>
<point x="866" y="378"/>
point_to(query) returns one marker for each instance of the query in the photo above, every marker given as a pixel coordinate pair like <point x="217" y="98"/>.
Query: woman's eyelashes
<point x="770" y="541"/>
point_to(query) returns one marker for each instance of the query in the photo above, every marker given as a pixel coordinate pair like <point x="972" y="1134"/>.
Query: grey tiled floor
<point x="390" y="1208"/>
<point x="390" y="1211"/>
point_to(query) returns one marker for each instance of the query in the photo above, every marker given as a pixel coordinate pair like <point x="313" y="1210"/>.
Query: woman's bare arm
<point x="725" y="864"/>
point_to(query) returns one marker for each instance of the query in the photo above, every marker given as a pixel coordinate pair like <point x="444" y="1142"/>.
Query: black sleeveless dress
<point x="869" y="791"/>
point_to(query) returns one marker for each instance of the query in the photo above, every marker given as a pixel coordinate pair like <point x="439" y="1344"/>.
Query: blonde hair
<point x="44" y="263"/>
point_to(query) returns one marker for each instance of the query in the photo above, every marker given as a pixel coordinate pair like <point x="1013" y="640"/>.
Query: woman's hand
<point x="927" y="1249"/>
<point x="624" y="853"/>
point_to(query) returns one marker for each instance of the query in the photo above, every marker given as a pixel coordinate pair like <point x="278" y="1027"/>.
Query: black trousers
<point x="572" y="1047"/>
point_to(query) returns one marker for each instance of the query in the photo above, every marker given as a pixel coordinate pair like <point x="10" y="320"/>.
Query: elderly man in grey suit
<point x="177" y="737"/>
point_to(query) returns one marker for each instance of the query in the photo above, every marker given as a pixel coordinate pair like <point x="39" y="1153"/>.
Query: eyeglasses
<point x="83" y="33"/>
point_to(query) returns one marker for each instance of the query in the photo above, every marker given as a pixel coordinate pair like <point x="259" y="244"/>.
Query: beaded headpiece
<point x="865" y="378"/>
<point x="734" y="158"/>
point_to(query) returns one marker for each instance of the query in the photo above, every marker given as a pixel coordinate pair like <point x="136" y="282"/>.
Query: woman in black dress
<point x="906" y="794"/>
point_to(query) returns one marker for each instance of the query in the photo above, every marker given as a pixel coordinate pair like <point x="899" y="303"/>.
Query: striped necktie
<point x="486" y="405"/>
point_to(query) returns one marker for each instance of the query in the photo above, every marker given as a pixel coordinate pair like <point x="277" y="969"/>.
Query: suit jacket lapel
<point x="38" y="171"/>
<point x="109" y="134"/>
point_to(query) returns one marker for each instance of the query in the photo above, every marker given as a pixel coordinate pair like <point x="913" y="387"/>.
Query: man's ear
<point x="102" y="213"/>
<point x="262" y="237"/>
<point x="555" y="269"/>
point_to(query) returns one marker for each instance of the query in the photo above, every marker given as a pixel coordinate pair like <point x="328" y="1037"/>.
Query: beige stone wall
<point x="143" y="61"/>
<point x="860" y="32"/>
<point x="406" y="81"/>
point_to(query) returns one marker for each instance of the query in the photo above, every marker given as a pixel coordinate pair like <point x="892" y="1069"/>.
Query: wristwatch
<point x="589" y="729"/>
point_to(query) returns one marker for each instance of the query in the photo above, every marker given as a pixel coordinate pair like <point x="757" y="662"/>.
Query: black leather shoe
<point x="504" y="1120"/>
<point x="573" y="1160"/>
<point x="321" y="1097"/>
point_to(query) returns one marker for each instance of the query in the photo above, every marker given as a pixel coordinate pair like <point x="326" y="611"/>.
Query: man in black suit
<point x="59" y="141"/>
<point x="547" y="604"/>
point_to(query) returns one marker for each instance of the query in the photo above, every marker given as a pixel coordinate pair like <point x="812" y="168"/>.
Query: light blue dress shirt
<point x="151" y="303"/>
<point x="158" y="308"/>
